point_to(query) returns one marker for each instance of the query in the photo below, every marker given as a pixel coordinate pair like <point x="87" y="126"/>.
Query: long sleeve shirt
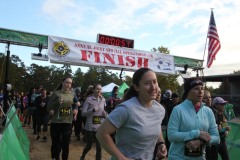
<point x="94" y="119"/>
<point x="41" y="110"/>
<point x="185" y="124"/>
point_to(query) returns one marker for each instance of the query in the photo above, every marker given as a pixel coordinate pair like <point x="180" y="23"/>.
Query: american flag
<point x="213" y="41"/>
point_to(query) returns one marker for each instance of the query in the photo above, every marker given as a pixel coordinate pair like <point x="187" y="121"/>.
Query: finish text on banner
<point x="75" y="52"/>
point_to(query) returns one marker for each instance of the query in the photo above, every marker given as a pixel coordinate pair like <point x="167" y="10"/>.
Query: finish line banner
<point x="81" y="53"/>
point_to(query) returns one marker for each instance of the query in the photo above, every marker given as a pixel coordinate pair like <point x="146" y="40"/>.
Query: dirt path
<point x="40" y="150"/>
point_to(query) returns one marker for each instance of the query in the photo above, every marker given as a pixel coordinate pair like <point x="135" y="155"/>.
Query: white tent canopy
<point x="108" y="88"/>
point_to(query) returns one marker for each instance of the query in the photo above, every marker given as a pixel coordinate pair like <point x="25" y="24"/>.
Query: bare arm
<point x="104" y="137"/>
<point x="75" y="110"/>
<point x="161" y="139"/>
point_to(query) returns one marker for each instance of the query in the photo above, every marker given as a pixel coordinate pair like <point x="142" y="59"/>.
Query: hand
<point x="220" y="127"/>
<point x="51" y="112"/>
<point x="78" y="103"/>
<point x="42" y="104"/>
<point x="96" y="109"/>
<point x="205" y="136"/>
<point x="193" y="144"/>
<point x="60" y="100"/>
<point x="75" y="112"/>
<point x="104" y="114"/>
<point x="225" y="134"/>
<point x="162" y="151"/>
<point x="228" y="128"/>
<point x="74" y="117"/>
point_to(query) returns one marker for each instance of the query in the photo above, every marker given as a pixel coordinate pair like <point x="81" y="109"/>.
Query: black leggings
<point x="213" y="151"/>
<point x="42" y="121"/>
<point x="90" y="136"/>
<point x="78" y="124"/>
<point x="223" y="151"/>
<point x="60" y="134"/>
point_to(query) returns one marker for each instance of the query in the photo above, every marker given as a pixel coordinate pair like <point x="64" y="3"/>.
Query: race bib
<point x="96" y="120"/>
<point x="65" y="111"/>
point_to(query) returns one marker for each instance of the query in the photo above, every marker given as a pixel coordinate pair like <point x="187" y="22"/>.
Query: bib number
<point x="64" y="111"/>
<point x="96" y="120"/>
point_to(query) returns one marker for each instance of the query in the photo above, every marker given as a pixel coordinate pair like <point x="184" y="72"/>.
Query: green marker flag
<point x="10" y="147"/>
<point x="14" y="143"/>
<point x="233" y="139"/>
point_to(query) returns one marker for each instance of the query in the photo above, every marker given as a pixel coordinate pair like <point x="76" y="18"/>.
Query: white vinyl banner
<point x="81" y="53"/>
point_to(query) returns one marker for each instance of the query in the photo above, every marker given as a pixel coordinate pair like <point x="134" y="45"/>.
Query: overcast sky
<point x="181" y="26"/>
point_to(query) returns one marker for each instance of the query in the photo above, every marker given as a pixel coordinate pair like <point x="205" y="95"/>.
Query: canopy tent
<point x="107" y="90"/>
<point x="109" y="87"/>
<point x="122" y="88"/>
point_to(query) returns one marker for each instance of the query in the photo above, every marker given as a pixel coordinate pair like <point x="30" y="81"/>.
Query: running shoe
<point x="38" y="137"/>
<point x="44" y="139"/>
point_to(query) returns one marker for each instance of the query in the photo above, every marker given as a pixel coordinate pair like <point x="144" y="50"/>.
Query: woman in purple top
<point x="93" y="109"/>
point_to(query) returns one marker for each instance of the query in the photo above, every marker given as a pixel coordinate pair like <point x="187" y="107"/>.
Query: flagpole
<point x="207" y="37"/>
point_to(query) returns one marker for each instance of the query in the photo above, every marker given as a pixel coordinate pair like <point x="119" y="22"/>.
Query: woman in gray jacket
<point x="93" y="109"/>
